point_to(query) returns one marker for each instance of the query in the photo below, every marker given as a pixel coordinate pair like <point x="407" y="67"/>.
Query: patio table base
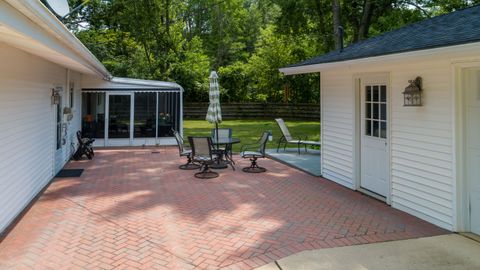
<point x="220" y="165"/>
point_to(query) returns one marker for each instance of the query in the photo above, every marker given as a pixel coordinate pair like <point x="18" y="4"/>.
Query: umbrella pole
<point x="216" y="132"/>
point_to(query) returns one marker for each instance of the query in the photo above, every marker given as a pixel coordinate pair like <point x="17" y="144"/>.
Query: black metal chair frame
<point x="259" y="152"/>
<point x="184" y="152"/>
<point x="205" y="161"/>
<point x="85" y="147"/>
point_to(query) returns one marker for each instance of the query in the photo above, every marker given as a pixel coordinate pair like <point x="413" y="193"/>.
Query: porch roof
<point x="128" y="84"/>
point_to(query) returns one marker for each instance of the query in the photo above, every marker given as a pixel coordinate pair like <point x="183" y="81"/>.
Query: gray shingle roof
<point x="458" y="27"/>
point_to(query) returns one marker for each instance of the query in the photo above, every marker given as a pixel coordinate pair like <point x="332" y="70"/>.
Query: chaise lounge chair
<point x="287" y="138"/>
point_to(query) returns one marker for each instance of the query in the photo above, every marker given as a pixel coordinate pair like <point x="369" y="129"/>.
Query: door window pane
<point x="383" y="130"/>
<point x="375" y="129"/>
<point x="375" y="111"/>
<point x="93" y="115"/>
<point x="368" y="110"/>
<point x="368" y="128"/>
<point x="383" y="93"/>
<point x="375" y="93"/>
<point x="119" y="116"/>
<point x="368" y="96"/>
<point x="383" y="111"/>
<point x="145" y="110"/>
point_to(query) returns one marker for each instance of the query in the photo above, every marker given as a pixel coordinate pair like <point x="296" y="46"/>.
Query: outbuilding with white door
<point x="400" y="118"/>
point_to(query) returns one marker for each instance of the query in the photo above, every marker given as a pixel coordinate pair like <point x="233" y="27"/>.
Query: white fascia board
<point x="413" y="55"/>
<point x="146" y="83"/>
<point x="35" y="11"/>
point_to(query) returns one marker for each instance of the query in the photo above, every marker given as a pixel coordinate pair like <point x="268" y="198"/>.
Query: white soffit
<point x="34" y="20"/>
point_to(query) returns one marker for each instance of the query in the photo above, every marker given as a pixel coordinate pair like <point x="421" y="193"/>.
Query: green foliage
<point x="246" y="41"/>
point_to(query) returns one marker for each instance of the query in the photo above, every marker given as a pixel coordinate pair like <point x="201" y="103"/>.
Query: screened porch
<point x="131" y="117"/>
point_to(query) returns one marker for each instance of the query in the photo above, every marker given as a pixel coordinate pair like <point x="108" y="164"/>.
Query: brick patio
<point x="133" y="209"/>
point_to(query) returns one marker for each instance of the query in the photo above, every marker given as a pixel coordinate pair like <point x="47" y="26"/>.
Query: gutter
<point x="43" y="17"/>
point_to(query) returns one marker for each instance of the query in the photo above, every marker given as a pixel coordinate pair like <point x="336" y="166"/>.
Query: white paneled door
<point x="473" y="147"/>
<point x="374" y="135"/>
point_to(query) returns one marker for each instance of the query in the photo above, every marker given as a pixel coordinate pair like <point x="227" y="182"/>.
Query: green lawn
<point x="248" y="131"/>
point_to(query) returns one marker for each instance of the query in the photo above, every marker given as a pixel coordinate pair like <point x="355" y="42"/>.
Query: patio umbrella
<point x="214" y="113"/>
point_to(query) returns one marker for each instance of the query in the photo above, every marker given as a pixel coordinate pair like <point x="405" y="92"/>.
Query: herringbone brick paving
<point x="133" y="209"/>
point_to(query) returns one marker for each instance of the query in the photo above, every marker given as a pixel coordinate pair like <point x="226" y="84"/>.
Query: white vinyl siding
<point x="338" y="128"/>
<point x="27" y="133"/>
<point x="421" y="148"/>
<point x="421" y="145"/>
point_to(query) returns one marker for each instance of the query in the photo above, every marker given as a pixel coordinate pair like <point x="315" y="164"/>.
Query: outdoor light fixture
<point x="412" y="96"/>
<point x="55" y="96"/>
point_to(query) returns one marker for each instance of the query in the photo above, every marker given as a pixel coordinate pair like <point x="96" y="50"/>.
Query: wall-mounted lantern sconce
<point x="412" y="96"/>
<point x="55" y="96"/>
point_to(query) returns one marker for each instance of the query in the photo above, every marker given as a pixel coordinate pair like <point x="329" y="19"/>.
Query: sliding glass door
<point x="145" y="124"/>
<point x="119" y="126"/>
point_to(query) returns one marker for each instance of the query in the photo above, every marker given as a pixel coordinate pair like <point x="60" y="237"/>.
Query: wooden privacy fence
<point x="255" y="110"/>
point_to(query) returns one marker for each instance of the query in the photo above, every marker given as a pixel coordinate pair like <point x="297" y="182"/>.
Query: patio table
<point x="225" y="158"/>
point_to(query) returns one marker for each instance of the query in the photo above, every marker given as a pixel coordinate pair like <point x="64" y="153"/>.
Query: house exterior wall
<point x="421" y="138"/>
<point x="338" y="127"/>
<point x="27" y="134"/>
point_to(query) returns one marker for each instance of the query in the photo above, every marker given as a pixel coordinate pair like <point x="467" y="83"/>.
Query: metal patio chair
<point x="253" y="152"/>
<point x="184" y="152"/>
<point x="85" y="147"/>
<point x="287" y="137"/>
<point x="202" y="153"/>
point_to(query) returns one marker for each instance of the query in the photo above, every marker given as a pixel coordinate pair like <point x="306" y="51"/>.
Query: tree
<point x="247" y="41"/>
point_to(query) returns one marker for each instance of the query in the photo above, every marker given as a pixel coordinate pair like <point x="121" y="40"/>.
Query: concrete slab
<point x="308" y="162"/>
<point x="446" y="252"/>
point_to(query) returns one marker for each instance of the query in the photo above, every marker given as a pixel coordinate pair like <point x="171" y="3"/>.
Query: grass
<point x="248" y="131"/>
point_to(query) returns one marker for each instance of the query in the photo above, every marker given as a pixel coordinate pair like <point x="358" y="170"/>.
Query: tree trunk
<point x="327" y="42"/>
<point x="366" y="20"/>
<point x="167" y="16"/>
<point x="336" y="23"/>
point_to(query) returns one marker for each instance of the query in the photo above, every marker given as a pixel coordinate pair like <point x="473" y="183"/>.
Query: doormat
<point x="70" y="173"/>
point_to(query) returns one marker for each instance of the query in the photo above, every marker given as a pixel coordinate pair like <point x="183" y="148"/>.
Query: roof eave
<point x="304" y="69"/>
<point x="38" y="13"/>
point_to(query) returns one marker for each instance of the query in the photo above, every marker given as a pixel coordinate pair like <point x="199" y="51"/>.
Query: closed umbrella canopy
<point x="214" y="113"/>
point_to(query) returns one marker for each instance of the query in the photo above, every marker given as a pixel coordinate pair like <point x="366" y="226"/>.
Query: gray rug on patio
<point x="308" y="162"/>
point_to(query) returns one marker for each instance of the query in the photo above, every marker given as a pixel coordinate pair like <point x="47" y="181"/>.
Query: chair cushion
<point x="249" y="154"/>
<point x="205" y="158"/>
